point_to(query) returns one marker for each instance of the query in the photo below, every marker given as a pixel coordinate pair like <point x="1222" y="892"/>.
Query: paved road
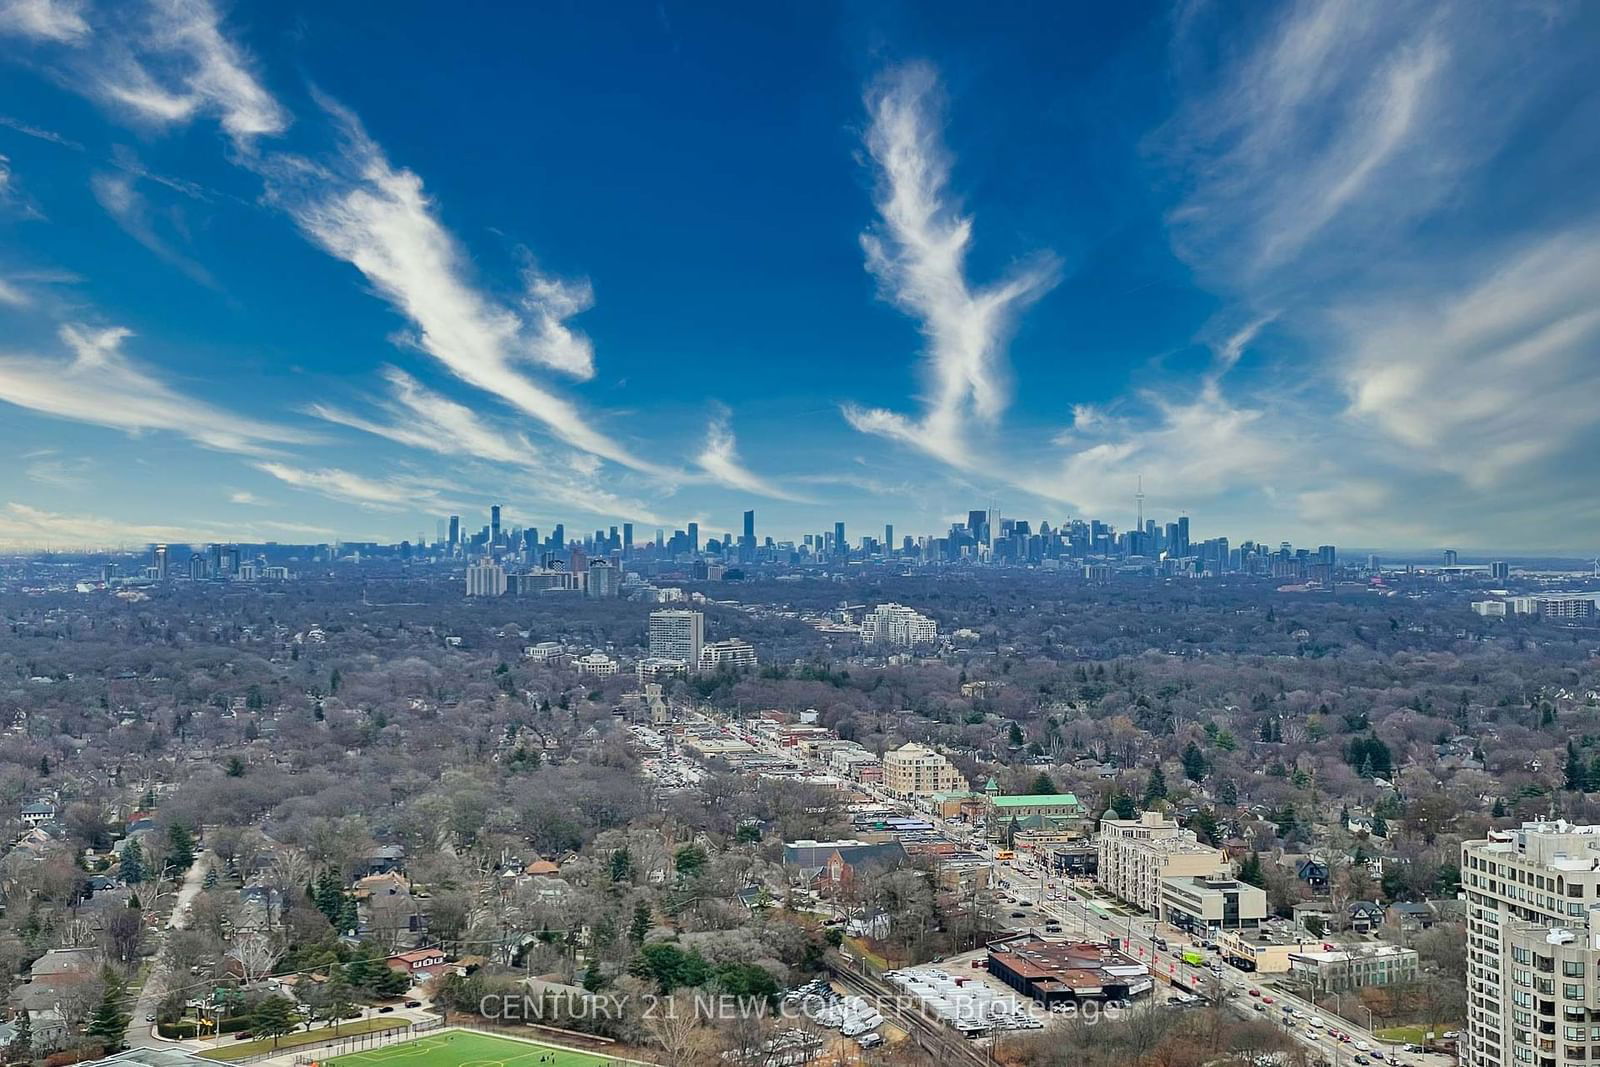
<point x="1070" y="907"/>
<point x="141" y="1033"/>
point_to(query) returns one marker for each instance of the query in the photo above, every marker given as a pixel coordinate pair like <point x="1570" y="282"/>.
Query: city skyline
<point x="268" y="275"/>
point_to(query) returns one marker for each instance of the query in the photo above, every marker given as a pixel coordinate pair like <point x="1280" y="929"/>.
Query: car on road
<point x="1261" y="1007"/>
<point x="413" y="1003"/>
<point x="1019" y="915"/>
<point x="385" y="1009"/>
<point x="150" y="1017"/>
<point x="1255" y="992"/>
<point x="1266" y="999"/>
<point x="1362" y="1060"/>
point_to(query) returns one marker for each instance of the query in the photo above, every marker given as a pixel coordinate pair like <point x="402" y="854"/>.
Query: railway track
<point x="942" y="1045"/>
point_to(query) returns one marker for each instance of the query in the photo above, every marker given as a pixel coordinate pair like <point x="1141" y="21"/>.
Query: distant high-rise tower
<point x="888" y="539"/>
<point x="1499" y="570"/>
<point x="494" y="525"/>
<point x="1450" y="557"/>
<point x="694" y="537"/>
<point x="627" y="539"/>
<point x="747" y="544"/>
<point x="1183" y="535"/>
<point x="841" y="547"/>
<point x="158" y="560"/>
<point x="455" y="529"/>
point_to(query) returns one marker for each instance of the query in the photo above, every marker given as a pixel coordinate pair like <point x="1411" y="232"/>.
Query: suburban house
<point x="417" y="960"/>
<point x="35" y="812"/>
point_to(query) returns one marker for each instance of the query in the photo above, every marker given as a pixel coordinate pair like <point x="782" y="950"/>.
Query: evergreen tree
<point x="639" y="928"/>
<point x="1042" y="785"/>
<point x="21" y="1048"/>
<point x="1250" y="871"/>
<point x="1576" y="774"/>
<point x="1499" y="810"/>
<point x="1155" y="787"/>
<point x="338" y="996"/>
<point x="210" y="881"/>
<point x="1380" y="826"/>
<point x="689" y="861"/>
<point x="148" y="801"/>
<point x="622" y="865"/>
<point x="109" y="1023"/>
<point x="1122" y="803"/>
<point x="235" y="767"/>
<point x="1194" y="762"/>
<point x="44" y="766"/>
<point x="1015" y="736"/>
<point x="1204" y="825"/>
<point x="349" y="919"/>
<point x="1288" y="822"/>
<point x="180" y="848"/>
<point x="274" y="1017"/>
<point x="132" y="866"/>
<point x="1228" y="792"/>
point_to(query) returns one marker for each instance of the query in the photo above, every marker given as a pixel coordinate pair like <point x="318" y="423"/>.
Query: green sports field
<point x="461" y="1049"/>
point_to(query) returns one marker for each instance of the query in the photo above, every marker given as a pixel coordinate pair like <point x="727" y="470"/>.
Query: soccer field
<point x="459" y="1049"/>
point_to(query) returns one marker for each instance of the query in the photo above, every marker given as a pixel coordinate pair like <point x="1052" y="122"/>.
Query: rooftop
<point x="1023" y="800"/>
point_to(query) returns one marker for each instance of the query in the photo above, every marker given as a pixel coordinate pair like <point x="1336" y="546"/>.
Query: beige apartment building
<point x="1533" y="946"/>
<point x="912" y="771"/>
<point x="1136" y="854"/>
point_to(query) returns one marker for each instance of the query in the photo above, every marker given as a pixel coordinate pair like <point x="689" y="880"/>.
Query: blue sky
<point x="295" y="271"/>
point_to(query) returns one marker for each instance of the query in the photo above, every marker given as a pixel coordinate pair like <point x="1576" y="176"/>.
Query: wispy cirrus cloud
<point x="382" y="494"/>
<point x="421" y="418"/>
<point x="119" y="195"/>
<point x="918" y="253"/>
<point x="99" y="384"/>
<point x="49" y="467"/>
<point x="59" y="21"/>
<point x="377" y="218"/>
<point x="172" y="62"/>
<point x="1483" y="380"/>
<point x="39" y="133"/>
<point x="719" y="459"/>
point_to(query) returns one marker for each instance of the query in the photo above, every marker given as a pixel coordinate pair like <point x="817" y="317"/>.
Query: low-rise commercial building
<point x="1205" y="904"/>
<point x="1353" y="967"/>
<point x="1052" y="972"/>
<point x="1263" y="951"/>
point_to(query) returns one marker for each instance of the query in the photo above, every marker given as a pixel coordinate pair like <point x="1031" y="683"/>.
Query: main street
<point x="1072" y="908"/>
<point x="1035" y="890"/>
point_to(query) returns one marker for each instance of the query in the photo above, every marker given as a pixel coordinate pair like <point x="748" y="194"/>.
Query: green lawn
<point x="229" y="1049"/>
<point x="1415" y="1035"/>
<point x="459" y="1048"/>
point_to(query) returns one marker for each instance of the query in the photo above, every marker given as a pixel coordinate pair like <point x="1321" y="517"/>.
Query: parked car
<point x="413" y="1003"/>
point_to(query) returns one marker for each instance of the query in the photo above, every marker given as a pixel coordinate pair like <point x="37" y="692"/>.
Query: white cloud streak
<point x="918" y="254"/>
<point x="59" y="21"/>
<point x="377" y="218"/>
<point x="119" y="195"/>
<point x="23" y="526"/>
<point x="100" y="385"/>
<point x="177" y="65"/>
<point x="378" y="494"/>
<point x="720" y="460"/>
<point x="421" y="418"/>
<point x="1482" y="381"/>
